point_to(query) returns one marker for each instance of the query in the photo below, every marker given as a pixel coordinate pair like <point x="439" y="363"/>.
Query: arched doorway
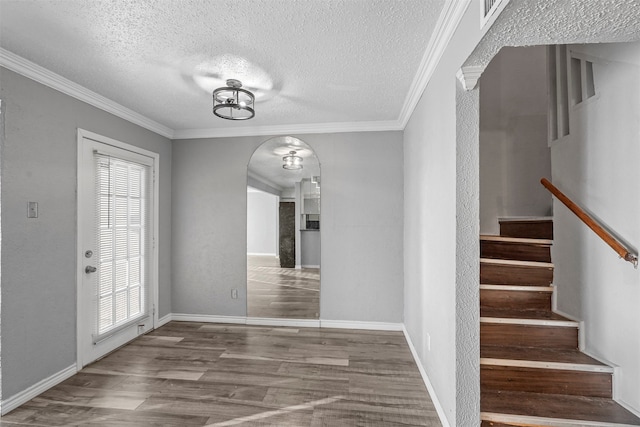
<point x="283" y="230"/>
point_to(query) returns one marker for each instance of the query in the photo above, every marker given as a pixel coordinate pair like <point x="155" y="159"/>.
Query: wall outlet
<point x="32" y="209"/>
<point x="234" y="293"/>
<point x="428" y="342"/>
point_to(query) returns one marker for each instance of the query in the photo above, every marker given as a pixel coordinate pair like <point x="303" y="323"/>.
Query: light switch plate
<point x="32" y="209"/>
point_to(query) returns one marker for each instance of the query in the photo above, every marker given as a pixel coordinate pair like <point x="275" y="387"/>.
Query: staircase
<point x="531" y="370"/>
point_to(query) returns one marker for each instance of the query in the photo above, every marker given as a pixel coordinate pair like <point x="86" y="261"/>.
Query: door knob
<point x="90" y="269"/>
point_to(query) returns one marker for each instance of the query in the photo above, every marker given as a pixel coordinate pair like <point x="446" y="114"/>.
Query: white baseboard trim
<point x="628" y="407"/>
<point x="355" y="324"/>
<point x="310" y="266"/>
<point x="26" y="395"/>
<point x="164" y="320"/>
<point x="208" y="318"/>
<point x="295" y="323"/>
<point x="568" y="316"/>
<point x="262" y="254"/>
<point x="427" y="382"/>
<point x="298" y="323"/>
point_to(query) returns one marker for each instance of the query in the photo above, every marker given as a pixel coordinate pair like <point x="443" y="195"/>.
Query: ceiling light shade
<point x="291" y="161"/>
<point x="232" y="102"/>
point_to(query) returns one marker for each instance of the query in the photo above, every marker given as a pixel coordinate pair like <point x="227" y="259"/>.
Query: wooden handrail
<point x="592" y="224"/>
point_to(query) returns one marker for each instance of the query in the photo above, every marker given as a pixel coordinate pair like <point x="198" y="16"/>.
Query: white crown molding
<point x="35" y="72"/>
<point x="469" y="76"/>
<point x="388" y="125"/>
<point x="446" y="26"/>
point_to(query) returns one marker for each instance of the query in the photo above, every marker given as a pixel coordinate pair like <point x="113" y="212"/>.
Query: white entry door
<point x="116" y="234"/>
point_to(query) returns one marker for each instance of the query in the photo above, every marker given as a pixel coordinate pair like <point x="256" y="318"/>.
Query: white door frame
<point x="81" y="261"/>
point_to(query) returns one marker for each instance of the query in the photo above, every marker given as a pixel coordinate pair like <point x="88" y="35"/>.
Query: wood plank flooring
<point x="197" y="374"/>
<point x="276" y="292"/>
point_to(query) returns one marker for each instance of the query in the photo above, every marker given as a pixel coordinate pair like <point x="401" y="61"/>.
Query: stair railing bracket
<point x="633" y="259"/>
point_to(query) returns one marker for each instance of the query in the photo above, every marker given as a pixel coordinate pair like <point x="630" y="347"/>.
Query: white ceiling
<point x="313" y="62"/>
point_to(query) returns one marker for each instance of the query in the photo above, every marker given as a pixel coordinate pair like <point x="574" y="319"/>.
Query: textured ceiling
<point x="527" y="23"/>
<point x="309" y="62"/>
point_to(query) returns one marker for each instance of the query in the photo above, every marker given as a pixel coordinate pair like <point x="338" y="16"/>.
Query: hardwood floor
<point x="197" y="374"/>
<point x="281" y="292"/>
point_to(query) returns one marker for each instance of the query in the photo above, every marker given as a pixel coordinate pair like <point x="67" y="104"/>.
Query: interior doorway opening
<point x="514" y="153"/>
<point x="283" y="231"/>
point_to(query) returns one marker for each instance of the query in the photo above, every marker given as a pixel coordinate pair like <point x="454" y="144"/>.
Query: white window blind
<point x="122" y="250"/>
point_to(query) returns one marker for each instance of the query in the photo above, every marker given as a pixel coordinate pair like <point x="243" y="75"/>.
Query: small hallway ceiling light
<point x="232" y="102"/>
<point x="291" y="161"/>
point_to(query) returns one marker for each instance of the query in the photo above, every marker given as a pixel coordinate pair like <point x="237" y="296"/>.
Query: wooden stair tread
<point x="538" y="354"/>
<point x="521" y="240"/>
<point x="533" y="219"/>
<point x="508" y="313"/>
<point x="516" y="288"/>
<point x="511" y="262"/>
<point x="555" y="406"/>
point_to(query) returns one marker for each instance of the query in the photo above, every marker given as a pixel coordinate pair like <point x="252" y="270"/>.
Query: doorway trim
<point x="153" y="282"/>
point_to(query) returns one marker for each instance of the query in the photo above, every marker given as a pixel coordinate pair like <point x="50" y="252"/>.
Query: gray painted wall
<point x="39" y="255"/>
<point x="361" y="233"/>
<point x="514" y="154"/>
<point x="596" y="165"/>
<point x="441" y="232"/>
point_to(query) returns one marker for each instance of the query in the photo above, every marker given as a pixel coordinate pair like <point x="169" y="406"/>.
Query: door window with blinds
<point x="123" y="194"/>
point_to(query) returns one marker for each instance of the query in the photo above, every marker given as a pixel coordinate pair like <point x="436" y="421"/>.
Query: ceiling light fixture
<point x="291" y="161"/>
<point x="232" y="102"/>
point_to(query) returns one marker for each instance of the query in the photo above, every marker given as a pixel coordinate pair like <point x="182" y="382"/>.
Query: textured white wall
<point x="538" y="23"/>
<point x="514" y="154"/>
<point x="361" y="232"/>
<point x="262" y="209"/>
<point x="39" y="255"/>
<point x="597" y="167"/>
<point x="467" y="258"/>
